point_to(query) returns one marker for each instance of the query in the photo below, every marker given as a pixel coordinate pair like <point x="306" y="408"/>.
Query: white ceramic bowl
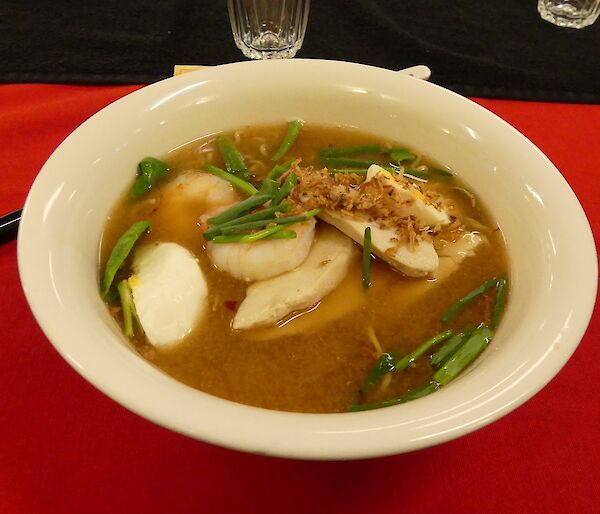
<point x="553" y="270"/>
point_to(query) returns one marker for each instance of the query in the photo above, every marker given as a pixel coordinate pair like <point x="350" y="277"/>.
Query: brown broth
<point x="316" y="362"/>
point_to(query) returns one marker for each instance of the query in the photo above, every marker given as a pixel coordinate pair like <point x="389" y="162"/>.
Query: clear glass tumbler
<point x="268" y="29"/>
<point x="574" y="14"/>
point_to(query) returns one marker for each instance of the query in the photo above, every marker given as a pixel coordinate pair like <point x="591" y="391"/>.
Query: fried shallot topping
<point x="373" y="200"/>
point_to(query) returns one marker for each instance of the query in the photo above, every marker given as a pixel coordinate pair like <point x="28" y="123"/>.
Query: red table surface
<point x="65" y="447"/>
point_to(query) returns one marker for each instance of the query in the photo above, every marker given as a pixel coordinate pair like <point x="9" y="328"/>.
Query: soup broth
<point x="316" y="360"/>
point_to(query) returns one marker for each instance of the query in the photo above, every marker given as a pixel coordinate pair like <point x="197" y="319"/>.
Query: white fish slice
<point x="271" y="300"/>
<point x="415" y="204"/>
<point x="419" y="262"/>
<point x="169" y="292"/>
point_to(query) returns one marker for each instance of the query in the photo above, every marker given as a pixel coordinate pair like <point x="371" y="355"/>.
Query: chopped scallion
<point x="239" y="209"/>
<point x="441" y="172"/>
<point x="443" y="354"/>
<point x="500" y="299"/>
<point x="407" y="360"/>
<point x="237" y="182"/>
<point x="252" y="225"/>
<point x="413" y="394"/>
<point x="283" y="234"/>
<point x="268" y="213"/>
<point x="416" y="173"/>
<point x="249" y="238"/>
<point x="401" y="154"/>
<point x="366" y="270"/>
<point x="290" y="136"/>
<point x="279" y="169"/>
<point x="467" y="299"/>
<point x="349" y="150"/>
<point x="383" y="365"/>
<point x="285" y="188"/>
<point x="342" y="162"/>
<point x="234" y="162"/>
<point x="464" y="355"/>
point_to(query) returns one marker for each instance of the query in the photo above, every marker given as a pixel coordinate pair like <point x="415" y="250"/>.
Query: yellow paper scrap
<point x="180" y="69"/>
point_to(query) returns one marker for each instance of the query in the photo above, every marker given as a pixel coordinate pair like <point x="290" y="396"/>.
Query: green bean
<point x="239" y="209"/>
<point x="285" y="188"/>
<point x="291" y="135"/>
<point x="127" y="307"/>
<point x="407" y="360"/>
<point x="280" y="169"/>
<point x="120" y="252"/>
<point x="467" y="299"/>
<point x="234" y="162"/>
<point x="439" y="358"/>
<point x="383" y="365"/>
<point x="251" y="225"/>
<point x="460" y="359"/>
<point x="150" y="170"/>
<point x="401" y="154"/>
<point x="349" y="150"/>
<point x="500" y="298"/>
<point x="341" y="162"/>
<point x="413" y="394"/>
<point x="237" y="182"/>
<point x="249" y="238"/>
<point x="268" y="213"/>
<point x="366" y="269"/>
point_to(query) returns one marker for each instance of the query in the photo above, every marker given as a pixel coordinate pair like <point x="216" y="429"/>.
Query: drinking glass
<point x="574" y="14"/>
<point x="268" y="29"/>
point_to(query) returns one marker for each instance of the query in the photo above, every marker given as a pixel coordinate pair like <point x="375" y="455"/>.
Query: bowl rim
<point x="315" y="436"/>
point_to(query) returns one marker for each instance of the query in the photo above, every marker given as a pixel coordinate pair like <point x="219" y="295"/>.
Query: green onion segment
<point x="288" y="140"/>
<point x="120" y="252"/>
<point x="366" y="268"/>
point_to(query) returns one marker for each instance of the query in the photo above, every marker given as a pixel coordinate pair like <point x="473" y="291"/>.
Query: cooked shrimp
<point x="264" y="259"/>
<point x="184" y="202"/>
<point x="211" y="191"/>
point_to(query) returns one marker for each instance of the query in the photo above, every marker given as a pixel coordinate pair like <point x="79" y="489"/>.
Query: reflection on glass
<point x="574" y="14"/>
<point x="268" y="29"/>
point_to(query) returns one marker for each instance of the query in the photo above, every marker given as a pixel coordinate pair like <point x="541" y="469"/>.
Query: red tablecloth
<point x="65" y="447"/>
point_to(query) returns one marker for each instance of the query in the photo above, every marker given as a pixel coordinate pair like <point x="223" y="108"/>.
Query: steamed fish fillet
<point x="411" y="201"/>
<point x="269" y="301"/>
<point x="169" y="292"/>
<point x="451" y="257"/>
<point x="349" y="296"/>
<point x="464" y="246"/>
<point x="265" y="258"/>
<point x="420" y="262"/>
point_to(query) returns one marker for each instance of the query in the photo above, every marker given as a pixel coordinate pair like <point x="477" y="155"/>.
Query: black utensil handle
<point x="9" y="225"/>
